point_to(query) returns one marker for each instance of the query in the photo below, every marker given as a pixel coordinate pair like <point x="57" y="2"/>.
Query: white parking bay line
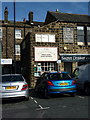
<point x="35" y="101"/>
<point x="42" y="108"/>
<point x="81" y="97"/>
<point x="32" y="98"/>
<point x="39" y="106"/>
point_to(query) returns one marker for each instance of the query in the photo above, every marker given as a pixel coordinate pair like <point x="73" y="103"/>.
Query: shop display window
<point x="41" y="67"/>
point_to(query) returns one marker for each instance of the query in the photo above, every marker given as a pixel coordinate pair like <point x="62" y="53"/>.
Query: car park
<point x="82" y="76"/>
<point x="14" y="86"/>
<point x="55" y="83"/>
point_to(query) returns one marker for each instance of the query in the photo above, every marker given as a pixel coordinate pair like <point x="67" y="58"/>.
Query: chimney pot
<point x="30" y="16"/>
<point x="24" y="20"/>
<point x="6" y="15"/>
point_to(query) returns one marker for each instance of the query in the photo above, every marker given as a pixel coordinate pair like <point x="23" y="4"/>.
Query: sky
<point x="40" y="8"/>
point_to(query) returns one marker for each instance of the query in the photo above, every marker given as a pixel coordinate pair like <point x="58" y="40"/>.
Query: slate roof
<point x="67" y="17"/>
<point x="22" y="23"/>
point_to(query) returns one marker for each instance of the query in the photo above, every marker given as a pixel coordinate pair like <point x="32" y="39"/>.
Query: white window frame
<point x="17" y="50"/>
<point x="18" y="34"/>
<point x="80" y="28"/>
<point x="41" y="67"/>
<point x="45" y="38"/>
<point x="68" y="35"/>
<point x="0" y="32"/>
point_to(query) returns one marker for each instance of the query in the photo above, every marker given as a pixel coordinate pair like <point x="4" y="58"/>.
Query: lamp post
<point x="14" y="42"/>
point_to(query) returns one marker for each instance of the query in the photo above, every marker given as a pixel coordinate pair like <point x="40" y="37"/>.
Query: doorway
<point x="68" y="67"/>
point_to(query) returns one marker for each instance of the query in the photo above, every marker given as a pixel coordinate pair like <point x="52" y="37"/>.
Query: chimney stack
<point x="57" y="10"/>
<point x="30" y="16"/>
<point x="24" y="20"/>
<point x="6" y="15"/>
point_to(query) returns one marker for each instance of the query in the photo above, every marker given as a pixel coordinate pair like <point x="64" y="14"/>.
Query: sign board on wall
<point x="75" y="57"/>
<point x="6" y="61"/>
<point x="45" y="53"/>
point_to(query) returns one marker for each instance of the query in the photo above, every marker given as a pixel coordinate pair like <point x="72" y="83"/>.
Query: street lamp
<point x="14" y="42"/>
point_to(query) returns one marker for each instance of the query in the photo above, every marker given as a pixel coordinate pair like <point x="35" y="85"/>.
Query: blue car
<point x="56" y="82"/>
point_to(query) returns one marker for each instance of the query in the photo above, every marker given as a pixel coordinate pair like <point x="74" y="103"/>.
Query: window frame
<point x="41" y="37"/>
<point x="16" y="49"/>
<point x="18" y="33"/>
<point x="45" y="66"/>
<point x="81" y="43"/>
<point x="67" y="30"/>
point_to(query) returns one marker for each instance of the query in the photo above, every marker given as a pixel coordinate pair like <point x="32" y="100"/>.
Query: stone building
<point x="61" y="44"/>
<point x="9" y="42"/>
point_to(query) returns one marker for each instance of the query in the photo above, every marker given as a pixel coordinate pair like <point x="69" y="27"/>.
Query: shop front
<point x="70" y="61"/>
<point x="45" y="60"/>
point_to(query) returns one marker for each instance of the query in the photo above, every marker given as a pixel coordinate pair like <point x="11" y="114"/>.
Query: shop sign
<point x="75" y="58"/>
<point x="6" y="61"/>
<point x="45" y="53"/>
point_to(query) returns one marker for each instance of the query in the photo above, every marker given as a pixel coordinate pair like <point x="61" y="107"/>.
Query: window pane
<point x="51" y="38"/>
<point x="44" y="66"/>
<point x="17" y="33"/>
<point x="80" y="30"/>
<point x="68" y="35"/>
<point x="38" y="37"/>
<point x="12" y="78"/>
<point x="17" y="49"/>
<point x="88" y="30"/>
<point x="80" y="38"/>
<point x="44" y="38"/>
<point x="88" y="38"/>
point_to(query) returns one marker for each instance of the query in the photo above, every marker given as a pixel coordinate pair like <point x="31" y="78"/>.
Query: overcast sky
<point x="23" y="7"/>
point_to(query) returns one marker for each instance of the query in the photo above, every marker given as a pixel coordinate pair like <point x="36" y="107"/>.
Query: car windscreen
<point x="59" y="76"/>
<point x="12" y="78"/>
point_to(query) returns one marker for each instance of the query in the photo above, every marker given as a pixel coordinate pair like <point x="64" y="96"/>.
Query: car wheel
<point x="72" y="94"/>
<point x="87" y="90"/>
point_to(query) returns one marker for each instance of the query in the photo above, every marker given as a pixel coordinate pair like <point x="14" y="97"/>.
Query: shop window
<point x="44" y="38"/>
<point x="88" y="35"/>
<point x="80" y="35"/>
<point x="68" y="35"/>
<point x="0" y="32"/>
<point x="18" y="34"/>
<point x="39" y="68"/>
<point x="17" y="49"/>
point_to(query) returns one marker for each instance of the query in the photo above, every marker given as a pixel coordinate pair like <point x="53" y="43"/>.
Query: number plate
<point x="63" y="83"/>
<point x="10" y="87"/>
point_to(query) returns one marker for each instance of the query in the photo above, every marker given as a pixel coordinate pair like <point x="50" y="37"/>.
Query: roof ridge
<point x="69" y="13"/>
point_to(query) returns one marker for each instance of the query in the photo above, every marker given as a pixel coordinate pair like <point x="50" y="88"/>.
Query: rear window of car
<point x="12" y="78"/>
<point x="59" y="76"/>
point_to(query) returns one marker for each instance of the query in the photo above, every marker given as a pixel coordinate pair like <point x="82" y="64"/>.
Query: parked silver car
<point x="14" y="85"/>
